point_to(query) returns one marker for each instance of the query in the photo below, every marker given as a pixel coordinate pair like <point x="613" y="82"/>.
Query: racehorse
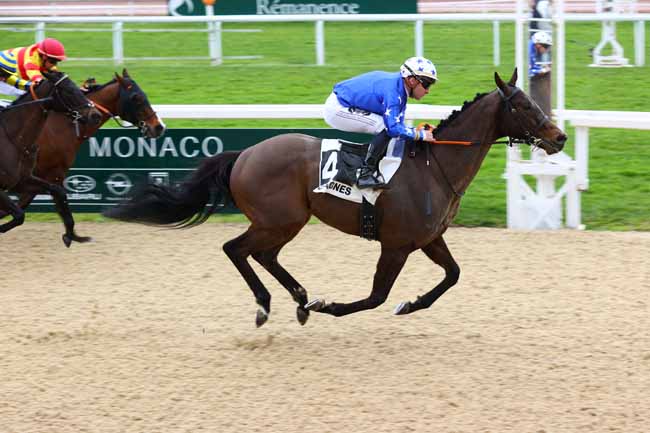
<point x="273" y="184"/>
<point x="59" y="141"/>
<point x="22" y="122"/>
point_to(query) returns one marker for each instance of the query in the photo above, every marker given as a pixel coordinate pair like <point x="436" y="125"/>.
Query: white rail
<point x="278" y="111"/>
<point x="215" y="21"/>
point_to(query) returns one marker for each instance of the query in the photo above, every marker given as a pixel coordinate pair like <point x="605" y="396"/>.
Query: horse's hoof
<point x="315" y="305"/>
<point x="261" y="317"/>
<point x="67" y="240"/>
<point x="302" y="315"/>
<point x="402" y="308"/>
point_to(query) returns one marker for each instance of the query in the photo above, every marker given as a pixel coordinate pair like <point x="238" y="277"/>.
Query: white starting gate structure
<point x="608" y="34"/>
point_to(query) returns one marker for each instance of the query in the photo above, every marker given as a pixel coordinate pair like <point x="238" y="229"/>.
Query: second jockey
<point x="22" y="67"/>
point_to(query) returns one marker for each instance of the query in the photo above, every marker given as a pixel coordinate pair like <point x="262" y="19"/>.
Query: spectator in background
<point x="539" y="69"/>
<point x="539" y="50"/>
<point x="541" y="9"/>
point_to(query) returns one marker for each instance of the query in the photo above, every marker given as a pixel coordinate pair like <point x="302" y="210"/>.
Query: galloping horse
<point x="59" y="141"/>
<point x="22" y="122"/>
<point x="273" y="184"/>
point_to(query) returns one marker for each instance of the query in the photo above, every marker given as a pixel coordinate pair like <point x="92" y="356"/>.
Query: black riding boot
<point x="367" y="178"/>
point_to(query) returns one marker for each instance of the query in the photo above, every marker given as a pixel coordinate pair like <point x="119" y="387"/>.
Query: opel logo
<point x="79" y="183"/>
<point x="119" y="184"/>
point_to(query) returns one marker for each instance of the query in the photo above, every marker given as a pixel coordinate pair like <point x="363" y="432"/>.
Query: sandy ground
<point x="147" y="330"/>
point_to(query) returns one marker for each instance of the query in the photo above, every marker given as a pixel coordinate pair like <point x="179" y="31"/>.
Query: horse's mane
<point x="454" y="114"/>
<point x="97" y="87"/>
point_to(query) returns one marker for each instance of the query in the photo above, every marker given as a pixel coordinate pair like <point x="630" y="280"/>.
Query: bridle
<point x="530" y="137"/>
<point x="129" y="112"/>
<point x="70" y="111"/>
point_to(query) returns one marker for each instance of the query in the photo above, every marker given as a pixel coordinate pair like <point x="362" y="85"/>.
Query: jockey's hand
<point x="426" y="135"/>
<point x="425" y="125"/>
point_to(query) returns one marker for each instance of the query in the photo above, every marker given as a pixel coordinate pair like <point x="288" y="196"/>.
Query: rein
<point x="529" y="139"/>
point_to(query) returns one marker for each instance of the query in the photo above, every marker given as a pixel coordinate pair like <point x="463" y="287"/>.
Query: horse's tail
<point x="204" y="192"/>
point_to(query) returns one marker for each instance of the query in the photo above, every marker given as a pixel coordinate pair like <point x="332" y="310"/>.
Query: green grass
<point x="619" y="194"/>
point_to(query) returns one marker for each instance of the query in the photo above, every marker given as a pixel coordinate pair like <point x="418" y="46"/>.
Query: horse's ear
<point x="513" y="79"/>
<point x="500" y="83"/>
<point x="125" y="73"/>
<point x="119" y="79"/>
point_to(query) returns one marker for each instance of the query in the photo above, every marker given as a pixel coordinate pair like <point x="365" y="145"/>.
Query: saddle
<point x="351" y="157"/>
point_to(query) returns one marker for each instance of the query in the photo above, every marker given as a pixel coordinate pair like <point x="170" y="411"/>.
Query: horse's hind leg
<point x="269" y="260"/>
<point x="17" y="214"/>
<point x="389" y="266"/>
<point x="439" y="253"/>
<point x="254" y="241"/>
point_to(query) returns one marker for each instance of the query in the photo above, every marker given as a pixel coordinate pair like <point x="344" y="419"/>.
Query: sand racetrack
<point x="148" y="330"/>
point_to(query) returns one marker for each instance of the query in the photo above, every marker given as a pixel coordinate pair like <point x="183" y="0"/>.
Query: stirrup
<point x="369" y="180"/>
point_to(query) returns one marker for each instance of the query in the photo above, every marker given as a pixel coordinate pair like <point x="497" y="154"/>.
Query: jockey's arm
<point x="394" y="120"/>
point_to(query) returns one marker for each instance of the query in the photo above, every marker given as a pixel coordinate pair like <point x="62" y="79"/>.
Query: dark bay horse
<point x="272" y="183"/>
<point x="59" y="140"/>
<point x="22" y="122"/>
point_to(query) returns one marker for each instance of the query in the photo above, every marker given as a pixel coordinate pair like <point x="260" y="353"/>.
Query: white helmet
<point x="420" y="67"/>
<point x="543" y="38"/>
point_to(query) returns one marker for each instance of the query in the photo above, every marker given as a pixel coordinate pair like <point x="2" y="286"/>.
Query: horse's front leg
<point x="61" y="203"/>
<point x="389" y="266"/>
<point x="438" y="252"/>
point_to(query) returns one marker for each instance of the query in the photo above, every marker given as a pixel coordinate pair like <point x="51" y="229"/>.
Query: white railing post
<point x="513" y="188"/>
<point x="118" y="43"/>
<point x="496" y="43"/>
<point x="419" y="38"/>
<point x="560" y="59"/>
<point x="40" y="31"/>
<point x="214" y="38"/>
<point x="320" y="42"/>
<point x="639" y="43"/>
<point x="520" y="50"/>
<point x="582" y="157"/>
<point x="573" y="207"/>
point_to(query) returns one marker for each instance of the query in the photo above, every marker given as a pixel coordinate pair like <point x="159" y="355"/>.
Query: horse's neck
<point x="24" y="124"/>
<point x="108" y="97"/>
<point x="477" y="124"/>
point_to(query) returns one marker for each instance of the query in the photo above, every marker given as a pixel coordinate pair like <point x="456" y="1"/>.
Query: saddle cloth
<point x="330" y="155"/>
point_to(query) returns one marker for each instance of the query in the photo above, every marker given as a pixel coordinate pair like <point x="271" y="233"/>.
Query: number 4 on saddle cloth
<point x="339" y="162"/>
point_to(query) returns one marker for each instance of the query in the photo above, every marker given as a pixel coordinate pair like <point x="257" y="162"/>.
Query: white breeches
<point x="6" y="89"/>
<point x="351" y="120"/>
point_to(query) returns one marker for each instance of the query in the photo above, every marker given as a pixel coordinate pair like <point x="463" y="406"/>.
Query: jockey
<point x="374" y="103"/>
<point x="21" y="67"/>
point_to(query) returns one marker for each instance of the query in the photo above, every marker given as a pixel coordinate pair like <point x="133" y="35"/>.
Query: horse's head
<point x="134" y="107"/>
<point x="524" y="119"/>
<point x="66" y="97"/>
